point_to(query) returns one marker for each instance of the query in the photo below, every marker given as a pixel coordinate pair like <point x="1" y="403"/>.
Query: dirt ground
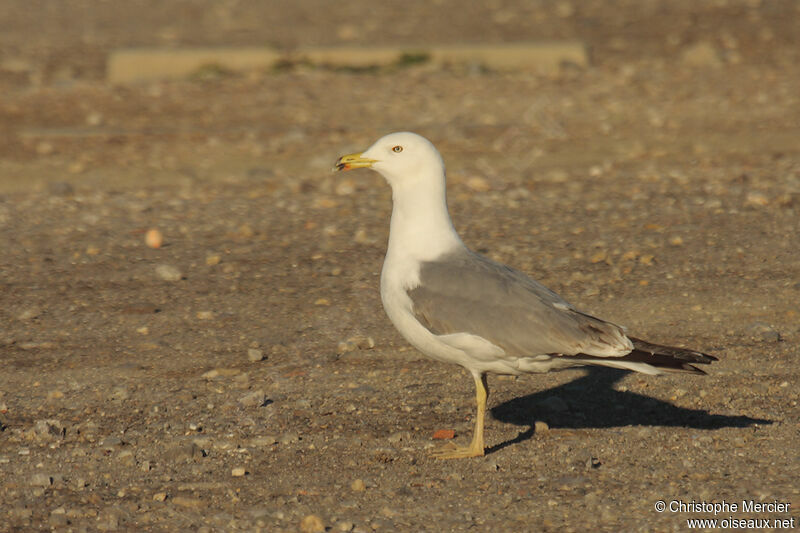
<point x="243" y="376"/>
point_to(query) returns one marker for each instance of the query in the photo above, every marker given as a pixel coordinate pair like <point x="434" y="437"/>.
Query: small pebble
<point x="765" y="332"/>
<point x="771" y="336"/>
<point x="592" y="463"/>
<point x="364" y="343"/>
<point x="40" y="480"/>
<point x="478" y="184"/>
<point x="183" y="452"/>
<point x="444" y="434"/>
<point x="345" y="347"/>
<point x="358" y="341"/>
<point x="570" y="482"/>
<point x="239" y="471"/>
<point x="346" y="187"/>
<point x="288" y="438"/>
<point x="55" y="395"/>
<point x="361" y="236"/>
<point x="111" y="441"/>
<point x="159" y="496"/>
<point x="399" y="436"/>
<point x="268" y="440"/>
<point x="255" y="355"/>
<point x="29" y="314"/>
<point x="94" y="118"/>
<point x="168" y="273"/>
<point x="191" y="503"/>
<point x="220" y="373"/>
<point x="540" y="427"/>
<point x="119" y="393"/>
<point x="257" y="398"/>
<point x="756" y="199"/>
<point x="358" y="485"/>
<point x="598" y="257"/>
<point x="21" y="512"/>
<point x="324" y="202"/>
<point x="127" y="458"/>
<point x="312" y="524"/>
<point x="46" y="148"/>
<point x="491" y="465"/>
<point x="153" y="238"/>
<point x="48" y="429"/>
<point x="58" y="518"/>
<point x="61" y="188"/>
<point x="701" y="54"/>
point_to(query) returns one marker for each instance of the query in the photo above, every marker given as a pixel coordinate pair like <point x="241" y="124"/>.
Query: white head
<point x="399" y="157"/>
<point x="421" y="228"/>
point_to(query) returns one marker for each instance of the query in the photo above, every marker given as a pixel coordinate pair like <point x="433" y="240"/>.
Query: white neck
<point x="421" y="227"/>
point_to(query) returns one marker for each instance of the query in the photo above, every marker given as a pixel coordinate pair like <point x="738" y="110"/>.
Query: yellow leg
<point x="475" y="449"/>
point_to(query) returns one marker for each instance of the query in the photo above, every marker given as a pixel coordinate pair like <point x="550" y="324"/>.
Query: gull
<point x="459" y="307"/>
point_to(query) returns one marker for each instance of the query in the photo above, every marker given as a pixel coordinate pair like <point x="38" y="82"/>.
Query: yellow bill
<point x="351" y="161"/>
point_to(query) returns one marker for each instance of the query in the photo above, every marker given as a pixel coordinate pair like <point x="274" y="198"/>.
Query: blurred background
<point x="49" y="42"/>
<point x="64" y="107"/>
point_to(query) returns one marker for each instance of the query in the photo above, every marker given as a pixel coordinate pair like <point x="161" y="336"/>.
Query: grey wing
<point x="468" y="293"/>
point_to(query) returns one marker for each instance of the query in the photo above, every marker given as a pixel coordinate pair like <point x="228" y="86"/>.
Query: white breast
<point x="397" y="277"/>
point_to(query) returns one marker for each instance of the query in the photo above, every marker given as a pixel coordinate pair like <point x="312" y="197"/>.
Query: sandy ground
<point x="244" y="377"/>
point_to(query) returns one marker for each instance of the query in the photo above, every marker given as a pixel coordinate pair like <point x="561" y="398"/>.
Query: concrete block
<point x="514" y="56"/>
<point x="146" y="64"/>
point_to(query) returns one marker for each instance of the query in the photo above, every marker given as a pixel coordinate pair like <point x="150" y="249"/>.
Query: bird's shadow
<point x="592" y="402"/>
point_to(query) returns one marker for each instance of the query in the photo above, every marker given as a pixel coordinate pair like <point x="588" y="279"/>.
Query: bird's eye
<point x="397" y="149"/>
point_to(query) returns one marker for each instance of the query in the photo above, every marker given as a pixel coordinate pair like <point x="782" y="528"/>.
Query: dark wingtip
<point x="681" y="354"/>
